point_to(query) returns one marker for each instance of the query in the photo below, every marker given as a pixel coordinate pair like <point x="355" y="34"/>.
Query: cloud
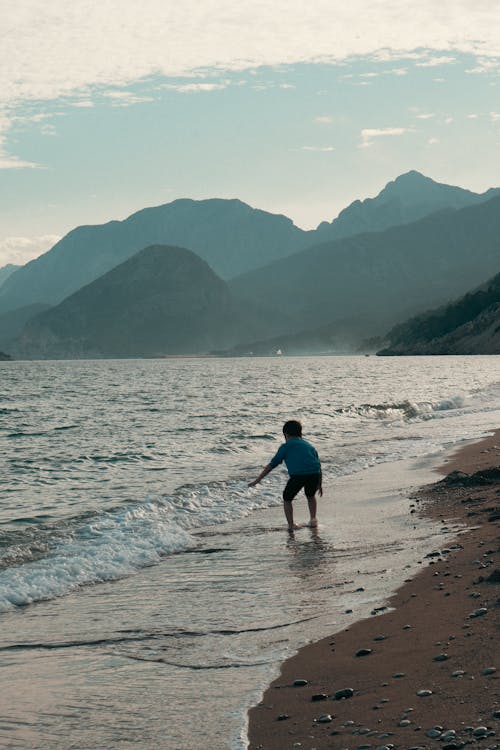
<point x="13" y="162"/>
<point x="76" y="52"/>
<point x="425" y="116"/>
<point x="368" y="135"/>
<point x="397" y="72"/>
<point x="485" y="65"/>
<point x="193" y="88"/>
<point x="8" y="161"/>
<point x="433" y="141"/>
<point x="324" y="149"/>
<point x="434" y="61"/>
<point x="20" y="250"/>
<point x="126" y="98"/>
<point x="86" y="44"/>
<point x="323" y="120"/>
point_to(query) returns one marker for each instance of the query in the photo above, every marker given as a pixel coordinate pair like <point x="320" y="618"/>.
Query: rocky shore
<point x="425" y="673"/>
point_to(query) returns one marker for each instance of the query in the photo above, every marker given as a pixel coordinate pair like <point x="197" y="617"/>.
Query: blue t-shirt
<point x="299" y="456"/>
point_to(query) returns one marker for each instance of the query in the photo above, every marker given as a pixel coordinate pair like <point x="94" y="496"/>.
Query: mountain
<point x="13" y="322"/>
<point x="7" y="271"/>
<point x="229" y="235"/>
<point x="469" y="325"/>
<point x="370" y="282"/>
<point x="164" y="300"/>
<point x="409" y="197"/>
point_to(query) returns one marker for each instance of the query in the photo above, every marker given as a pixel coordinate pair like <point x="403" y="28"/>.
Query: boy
<point x="304" y="468"/>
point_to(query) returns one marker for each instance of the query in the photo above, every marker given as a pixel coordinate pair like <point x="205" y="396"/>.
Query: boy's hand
<point x="320" y="491"/>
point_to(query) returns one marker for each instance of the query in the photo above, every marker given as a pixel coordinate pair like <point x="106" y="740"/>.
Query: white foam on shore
<point x="117" y="544"/>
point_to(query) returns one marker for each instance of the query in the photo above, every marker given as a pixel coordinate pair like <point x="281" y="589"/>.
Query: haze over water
<point x="142" y="584"/>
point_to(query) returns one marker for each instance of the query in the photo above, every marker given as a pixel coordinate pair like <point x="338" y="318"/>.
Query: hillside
<point x="373" y="281"/>
<point x="13" y="322"/>
<point x="469" y="325"/>
<point x="164" y="300"/>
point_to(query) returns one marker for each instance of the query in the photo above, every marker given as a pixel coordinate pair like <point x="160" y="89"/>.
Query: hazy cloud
<point x="434" y="61"/>
<point x="12" y="162"/>
<point x="192" y="88"/>
<point x="324" y="149"/>
<point x="20" y="250"/>
<point x="368" y="135"/>
<point x="397" y="72"/>
<point x="323" y="120"/>
<point x="7" y="161"/>
<point x="126" y="98"/>
<point x="87" y="44"/>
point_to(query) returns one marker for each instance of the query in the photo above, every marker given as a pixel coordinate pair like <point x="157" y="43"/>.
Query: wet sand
<point x="441" y="635"/>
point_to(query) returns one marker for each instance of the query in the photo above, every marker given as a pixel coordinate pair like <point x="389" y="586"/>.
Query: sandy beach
<point x="424" y="673"/>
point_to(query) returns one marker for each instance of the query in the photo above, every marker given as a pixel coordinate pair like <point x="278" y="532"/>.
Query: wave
<point x="103" y="547"/>
<point x="404" y="410"/>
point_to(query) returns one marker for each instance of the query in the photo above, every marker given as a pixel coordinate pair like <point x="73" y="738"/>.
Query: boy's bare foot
<point x="313" y="523"/>
<point x="293" y="528"/>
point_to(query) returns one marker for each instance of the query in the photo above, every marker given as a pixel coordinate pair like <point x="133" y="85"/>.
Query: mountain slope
<point x="376" y="280"/>
<point x="13" y="322"/>
<point x="409" y="197"/>
<point x="229" y="235"/>
<point x="7" y="271"/>
<point x="163" y="300"/>
<point x="469" y="325"/>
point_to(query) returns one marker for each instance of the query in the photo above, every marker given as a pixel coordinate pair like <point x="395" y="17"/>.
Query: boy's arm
<point x="261" y="476"/>
<point x="320" y="488"/>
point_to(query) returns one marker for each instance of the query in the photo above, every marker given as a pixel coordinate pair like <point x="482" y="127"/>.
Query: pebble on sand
<point x="343" y="694"/>
<point x="325" y="719"/>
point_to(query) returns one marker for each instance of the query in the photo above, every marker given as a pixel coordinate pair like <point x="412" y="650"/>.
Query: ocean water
<point x="147" y="595"/>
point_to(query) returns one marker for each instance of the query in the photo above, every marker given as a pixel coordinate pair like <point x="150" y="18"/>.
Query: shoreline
<point x="440" y="634"/>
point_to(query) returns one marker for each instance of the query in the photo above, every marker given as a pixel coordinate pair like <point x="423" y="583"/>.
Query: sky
<point x="293" y="107"/>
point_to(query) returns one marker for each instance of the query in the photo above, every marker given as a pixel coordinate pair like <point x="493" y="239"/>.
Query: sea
<point x="147" y="595"/>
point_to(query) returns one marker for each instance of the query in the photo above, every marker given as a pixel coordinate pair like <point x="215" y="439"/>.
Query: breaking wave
<point x="105" y="547"/>
<point x="404" y="410"/>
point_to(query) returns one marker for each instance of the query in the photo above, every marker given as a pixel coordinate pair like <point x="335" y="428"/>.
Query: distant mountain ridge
<point x="469" y="325"/>
<point x="229" y="235"/>
<point x="372" y="281"/>
<point x="410" y="197"/>
<point x="164" y="300"/>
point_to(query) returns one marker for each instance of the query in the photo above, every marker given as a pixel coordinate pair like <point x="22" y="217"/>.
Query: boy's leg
<point x="310" y="488"/>
<point x="293" y="486"/>
<point x="288" y="508"/>
<point x="311" y="501"/>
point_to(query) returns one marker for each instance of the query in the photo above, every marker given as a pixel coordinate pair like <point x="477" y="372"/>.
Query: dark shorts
<point x="309" y="482"/>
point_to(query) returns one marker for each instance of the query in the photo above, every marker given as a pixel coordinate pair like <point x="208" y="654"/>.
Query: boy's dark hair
<point x="292" y="428"/>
